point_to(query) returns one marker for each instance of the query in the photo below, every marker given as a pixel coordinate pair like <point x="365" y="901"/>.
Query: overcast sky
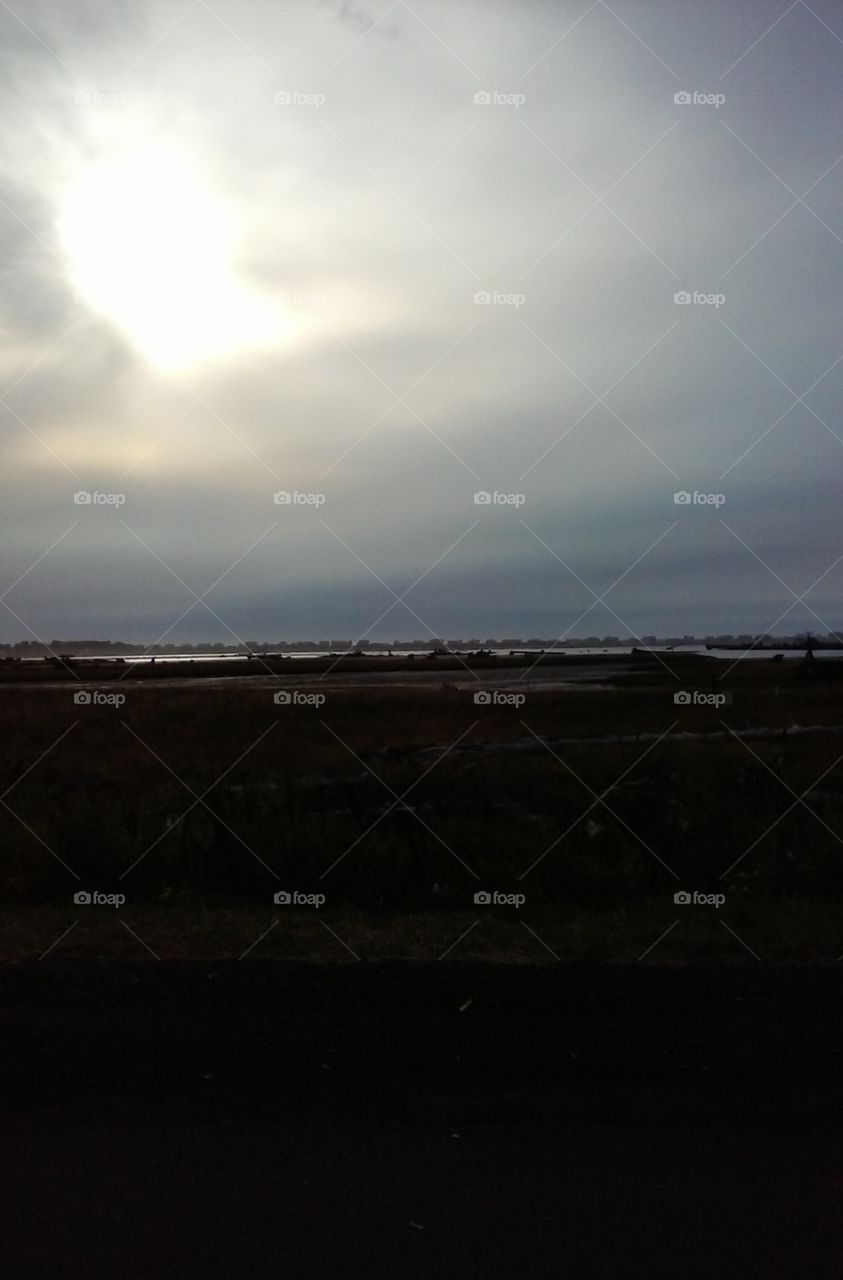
<point x="242" y="246"/>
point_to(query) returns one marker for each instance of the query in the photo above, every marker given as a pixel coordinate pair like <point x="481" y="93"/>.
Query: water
<point x="732" y="655"/>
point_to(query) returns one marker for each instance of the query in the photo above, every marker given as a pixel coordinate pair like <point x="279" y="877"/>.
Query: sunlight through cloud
<point x="151" y="248"/>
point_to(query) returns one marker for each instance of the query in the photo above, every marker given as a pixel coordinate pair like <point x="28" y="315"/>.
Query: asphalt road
<point x="258" y="1119"/>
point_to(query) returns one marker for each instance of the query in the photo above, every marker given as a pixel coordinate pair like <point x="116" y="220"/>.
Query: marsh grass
<point x="307" y="800"/>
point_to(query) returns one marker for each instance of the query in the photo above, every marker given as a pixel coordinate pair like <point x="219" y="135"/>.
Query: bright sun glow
<point x="152" y="250"/>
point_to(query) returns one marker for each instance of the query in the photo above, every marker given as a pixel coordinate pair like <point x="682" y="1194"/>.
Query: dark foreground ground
<point x="252" y="1119"/>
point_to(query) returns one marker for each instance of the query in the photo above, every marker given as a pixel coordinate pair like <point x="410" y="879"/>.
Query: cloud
<point x="369" y="206"/>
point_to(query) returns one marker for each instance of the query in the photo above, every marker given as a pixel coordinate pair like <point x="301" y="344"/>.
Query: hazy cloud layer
<point x="240" y="250"/>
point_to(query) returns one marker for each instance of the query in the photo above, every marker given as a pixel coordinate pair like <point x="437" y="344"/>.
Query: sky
<point x="580" y="259"/>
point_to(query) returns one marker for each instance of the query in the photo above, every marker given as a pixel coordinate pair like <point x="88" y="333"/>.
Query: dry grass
<point x="106" y="799"/>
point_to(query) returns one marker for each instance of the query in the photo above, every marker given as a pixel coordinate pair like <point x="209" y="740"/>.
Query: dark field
<point x="599" y="1081"/>
<point x="262" y="1119"/>
<point x="596" y="800"/>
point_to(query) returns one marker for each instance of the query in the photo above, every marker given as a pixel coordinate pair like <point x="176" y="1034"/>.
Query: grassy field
<point x="199" y="802"/>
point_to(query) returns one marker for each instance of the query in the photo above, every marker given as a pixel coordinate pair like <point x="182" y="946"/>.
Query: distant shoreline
<point x="74" y="668"/>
